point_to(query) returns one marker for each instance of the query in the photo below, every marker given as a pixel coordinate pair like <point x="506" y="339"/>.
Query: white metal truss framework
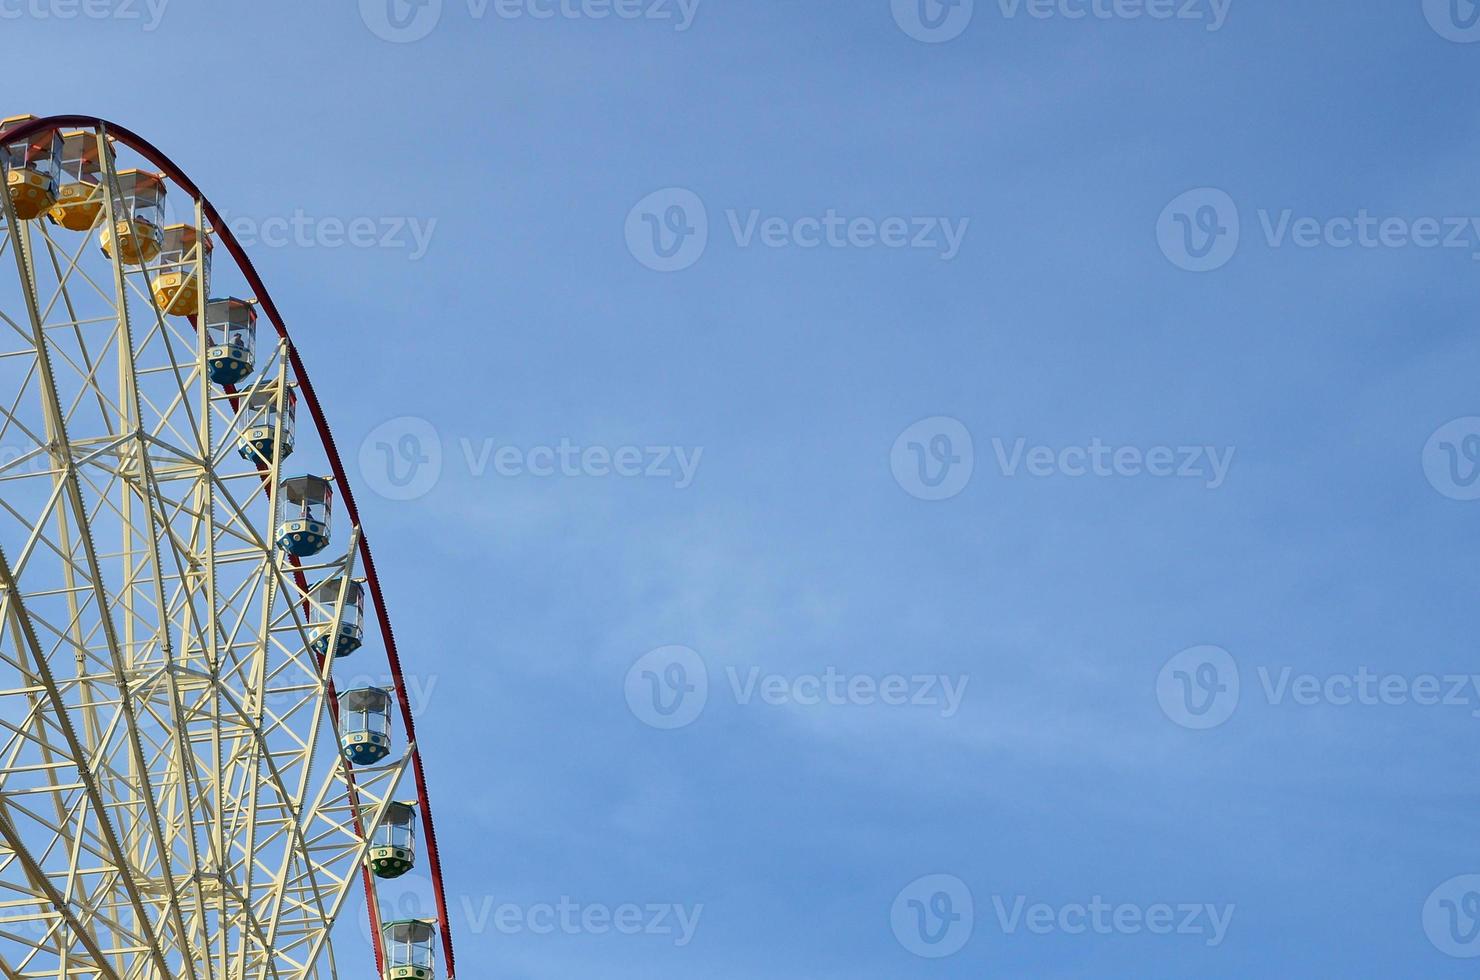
<point x="173" y="802"/>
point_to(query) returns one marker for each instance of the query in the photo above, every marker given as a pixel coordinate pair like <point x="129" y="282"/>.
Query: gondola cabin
<point x="80" y="198"/>
<point x="266" y="428"/>
<point x="184" y="261"/>
<point x="305" y="504"/>
<point x="365" y="725"/>
<point x="32" y="169"/>
<point x="351" y="631"/>
<point x="409" y="953"/>
<point x="393" y="849"/>
<point x="231" y="336"/>
<point x="138" y="218"/>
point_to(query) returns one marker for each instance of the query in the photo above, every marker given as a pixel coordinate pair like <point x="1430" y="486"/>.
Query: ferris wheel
<point x="185" y="792"/>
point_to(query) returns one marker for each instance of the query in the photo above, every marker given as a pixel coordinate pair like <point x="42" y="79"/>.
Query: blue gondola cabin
<point x="266" y="428"/>
<point x="231" y="339"/>
<point x="305" y="505"/>
<point x="351" y="631"/>
<point x="365" y="725"/>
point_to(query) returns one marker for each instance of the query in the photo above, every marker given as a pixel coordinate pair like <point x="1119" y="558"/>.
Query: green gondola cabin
<point x="409" y="953"/>
<point x="393" y="850"/>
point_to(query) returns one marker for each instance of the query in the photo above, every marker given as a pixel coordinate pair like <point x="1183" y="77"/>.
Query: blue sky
<point x="800" y="544"/>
